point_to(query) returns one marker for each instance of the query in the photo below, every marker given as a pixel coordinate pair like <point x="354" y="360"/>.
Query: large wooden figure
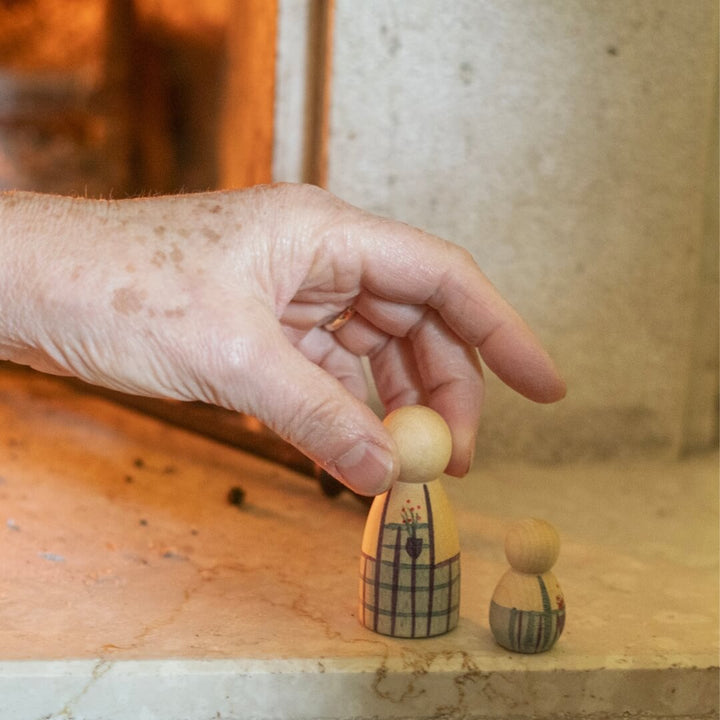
<point x="527" y="610"/>
<point x="410" y="563"/>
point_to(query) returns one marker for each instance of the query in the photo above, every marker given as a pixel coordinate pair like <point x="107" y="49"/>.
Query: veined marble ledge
<point x="131" y="589"/>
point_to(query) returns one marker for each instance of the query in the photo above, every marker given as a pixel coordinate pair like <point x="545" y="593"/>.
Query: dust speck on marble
<point x="172" y="554"/>
<point x="167" y="469"/>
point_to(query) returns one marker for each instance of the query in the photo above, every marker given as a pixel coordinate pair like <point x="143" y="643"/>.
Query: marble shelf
<point x="130" y="588"/>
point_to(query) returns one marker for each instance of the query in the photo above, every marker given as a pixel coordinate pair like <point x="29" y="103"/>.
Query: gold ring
<point x="337" y="322"/>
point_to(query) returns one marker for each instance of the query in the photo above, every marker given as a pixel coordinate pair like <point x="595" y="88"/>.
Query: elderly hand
<point x="225" y="298"/>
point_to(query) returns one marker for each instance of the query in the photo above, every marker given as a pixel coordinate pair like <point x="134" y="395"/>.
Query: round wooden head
<point x="423" y="440"/>
<point x="532" y="546"/>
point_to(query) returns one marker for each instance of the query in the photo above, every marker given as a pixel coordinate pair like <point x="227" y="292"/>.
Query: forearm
<point x="100" y="289"/>
<point x="19" y="220"/>
<point x="33" y="230"/>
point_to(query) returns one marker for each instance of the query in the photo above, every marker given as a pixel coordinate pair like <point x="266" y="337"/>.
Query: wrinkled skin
<point x="221" y="297"/>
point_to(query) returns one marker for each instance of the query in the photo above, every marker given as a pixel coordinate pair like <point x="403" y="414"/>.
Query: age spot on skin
<point x="159" y="258"/>
<point x="211" y="235"/>
<point x="176" y="256"/>
<point x="159" y="230"/>
<point x="128" y="301"/>
<point x="177" y="312"/>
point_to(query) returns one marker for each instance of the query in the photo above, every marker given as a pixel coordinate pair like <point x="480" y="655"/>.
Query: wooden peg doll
<point x="527" y="610"/>
<point x="410" y="562"/>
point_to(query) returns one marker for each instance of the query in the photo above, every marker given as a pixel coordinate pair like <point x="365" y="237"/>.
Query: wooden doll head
<point x="423" y="440"/>
<point x="532" y="546"/>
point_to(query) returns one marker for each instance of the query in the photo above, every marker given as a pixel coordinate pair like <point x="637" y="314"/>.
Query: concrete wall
<point x="567" y="144"/>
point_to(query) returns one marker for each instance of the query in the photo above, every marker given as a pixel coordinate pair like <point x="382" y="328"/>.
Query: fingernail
<point x="366" y="468"/>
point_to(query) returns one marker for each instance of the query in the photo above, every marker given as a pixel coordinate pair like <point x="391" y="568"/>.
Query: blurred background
<point x="570" y="145"/>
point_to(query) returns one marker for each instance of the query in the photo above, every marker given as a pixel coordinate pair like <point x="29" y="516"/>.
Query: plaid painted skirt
<point x="404" y="593"/>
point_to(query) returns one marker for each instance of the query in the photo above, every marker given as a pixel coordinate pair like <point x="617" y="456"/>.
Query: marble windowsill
<point x="131" y="588"/>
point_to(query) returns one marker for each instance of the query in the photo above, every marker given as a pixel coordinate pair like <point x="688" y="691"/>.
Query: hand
<point x="222" y="297"/>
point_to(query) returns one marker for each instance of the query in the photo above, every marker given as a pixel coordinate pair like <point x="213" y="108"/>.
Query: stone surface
<point x="568" y="146"/>
<point x="131" y="588"/>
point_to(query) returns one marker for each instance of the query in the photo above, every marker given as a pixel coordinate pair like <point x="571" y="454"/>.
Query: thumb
<point x="312" y="410"/>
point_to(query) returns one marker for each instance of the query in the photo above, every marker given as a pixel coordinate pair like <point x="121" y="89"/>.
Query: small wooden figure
<point x="527" y="610"/>
<point x="410" y="563"/>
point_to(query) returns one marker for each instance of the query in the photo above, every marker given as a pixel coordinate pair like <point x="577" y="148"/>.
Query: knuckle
<point x="459" y="254"/>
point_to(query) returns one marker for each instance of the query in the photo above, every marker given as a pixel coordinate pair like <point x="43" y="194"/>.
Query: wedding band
<point x="336" y="323"/>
